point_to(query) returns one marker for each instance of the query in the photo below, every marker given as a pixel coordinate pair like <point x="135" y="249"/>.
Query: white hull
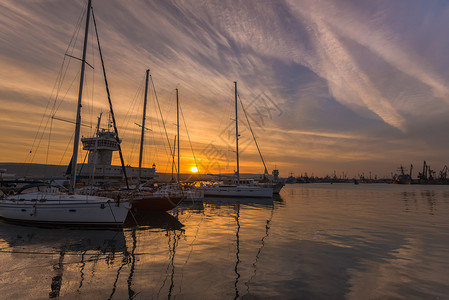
<point x="238" y="191"/>
<point x="194" y="195"/>
<point x="63" y="209"/>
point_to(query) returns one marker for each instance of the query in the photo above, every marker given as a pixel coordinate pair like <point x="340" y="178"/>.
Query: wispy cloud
<point x="350" y="78"/>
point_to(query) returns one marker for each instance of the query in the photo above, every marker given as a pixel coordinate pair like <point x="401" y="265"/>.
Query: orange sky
<point x="328" y="87"/>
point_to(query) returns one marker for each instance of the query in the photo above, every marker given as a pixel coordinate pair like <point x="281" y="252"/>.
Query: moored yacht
<point x="41" y="203"/>
<point x="239" y="187"/>
<point x="237" y="190"/>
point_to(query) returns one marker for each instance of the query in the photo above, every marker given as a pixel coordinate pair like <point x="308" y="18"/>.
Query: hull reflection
<point x="239" y="200"/>
<point x="152" y="219"/>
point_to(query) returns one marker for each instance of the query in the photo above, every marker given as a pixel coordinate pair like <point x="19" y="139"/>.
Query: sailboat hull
<point x="238" y="191"/>
<point x="77" y="210"/>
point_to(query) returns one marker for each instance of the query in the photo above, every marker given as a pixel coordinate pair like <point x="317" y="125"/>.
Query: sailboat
<point x="239" y="187"/>
<point x="152" y="198"/>
<point x="42" y="203"/>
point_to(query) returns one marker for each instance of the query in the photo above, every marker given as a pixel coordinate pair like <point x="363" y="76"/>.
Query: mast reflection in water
<point x="316" y="241"/>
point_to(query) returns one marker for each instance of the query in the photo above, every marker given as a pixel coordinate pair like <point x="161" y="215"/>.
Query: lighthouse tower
<point x="99" y="168"/>
<point x="101" y="147"/>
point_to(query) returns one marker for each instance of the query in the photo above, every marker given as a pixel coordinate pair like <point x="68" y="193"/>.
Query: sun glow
<point x="194" y="169"/>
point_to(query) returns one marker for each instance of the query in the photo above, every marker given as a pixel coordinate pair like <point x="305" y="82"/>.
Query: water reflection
<point x="152" y="219"/>
<point x="314" y="242"/>
<point x="232" y="208"/>
<point x="107" y="253"/>
<point x="237" y="251"/>
<point x="47" y="243"/>
<point x="430" y="197"/>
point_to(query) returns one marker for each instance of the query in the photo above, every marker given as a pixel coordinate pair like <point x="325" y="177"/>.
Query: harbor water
<point x="315" y="241"/>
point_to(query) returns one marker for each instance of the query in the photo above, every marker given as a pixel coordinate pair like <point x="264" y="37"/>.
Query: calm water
<point x="317" y="241"/>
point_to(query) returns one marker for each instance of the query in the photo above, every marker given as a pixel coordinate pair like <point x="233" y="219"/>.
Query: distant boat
<point x="402" y="178"/>
<point x="291" y="179"/>
<point x="275" y="183"/>
<point x="40" y="203"/>
<point x="239" y="187"/>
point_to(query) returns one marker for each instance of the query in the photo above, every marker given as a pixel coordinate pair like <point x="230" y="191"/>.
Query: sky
<point x="344" y="86"/>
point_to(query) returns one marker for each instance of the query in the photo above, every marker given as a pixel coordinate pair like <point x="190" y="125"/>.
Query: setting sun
<point x="194" y="169"/>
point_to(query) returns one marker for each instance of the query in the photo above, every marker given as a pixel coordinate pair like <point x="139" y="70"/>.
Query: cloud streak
<point x="349" y="71"/>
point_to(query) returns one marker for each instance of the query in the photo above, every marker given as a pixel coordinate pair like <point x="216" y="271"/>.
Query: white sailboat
<point x="239" y="188"/>
<point x="42" y="203"/>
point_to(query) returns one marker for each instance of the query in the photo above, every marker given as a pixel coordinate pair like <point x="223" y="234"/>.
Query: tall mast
<point x="143" y="124"/>
<point x="78" y="110"/>
<point x="173" y="160"/>
<point x="237" y="134"/>
<point x="177" y="124"/>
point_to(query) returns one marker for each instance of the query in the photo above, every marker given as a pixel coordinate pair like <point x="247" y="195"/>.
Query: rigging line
<point x="169" y="155"/>
<point x="222" y="134"/>
<point x="81" y="169"/>
<point x="132" y="110"/>
<point x="38" y="145"/>
<point x="188" y="136"/>
<point x="87" y="105"/>
<point x="160" y="112"/>
<point x="56" y="84"/>
<point x="169" y="107"/>
<point x="65" y="151"/>
<point x="110" y="103"/>
<point x="77" y="27"/>
<point x="162" y="118"/>
<point x="70" y="48"/>
<point x="91" y="108"/>
<point x="254" y="137"/>
<point x="55" y="110"/>
<point x="63" y="72"/>
<point x="48" y="147"/>
<point x="40" y="132"/>
<point x="136" y="108"/>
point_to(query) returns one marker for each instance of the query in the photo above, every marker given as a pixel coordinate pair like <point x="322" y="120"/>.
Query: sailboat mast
<point x="173" y="160"/>
<point x="143" y="124"/>
<point x="78" y="110"/>
<point x="237" y="134"/>
<point x="177" y="124"/>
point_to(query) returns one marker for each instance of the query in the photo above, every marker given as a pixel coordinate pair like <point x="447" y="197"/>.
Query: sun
<point x="194" y="169"/>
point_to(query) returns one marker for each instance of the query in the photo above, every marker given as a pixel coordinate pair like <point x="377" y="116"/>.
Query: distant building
<point x="99" y="167"/>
